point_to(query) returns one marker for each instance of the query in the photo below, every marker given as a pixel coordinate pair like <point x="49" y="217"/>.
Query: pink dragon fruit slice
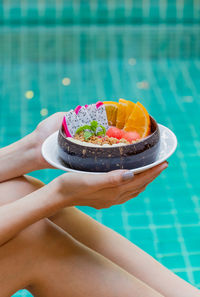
<point x="83" y="115"/>
<point x="92" y="110"/>
<point x="71" y="123"/>
<point x="101" y="116"/>
<point x="64" y="124"/>
<point x="76" y="110"/>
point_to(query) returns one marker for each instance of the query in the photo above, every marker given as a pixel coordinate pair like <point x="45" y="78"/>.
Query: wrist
<point x="38" y="140"/>
<point x="64" y="192"/>
<point x="30" y="146"/>
<point x="18" y="158"/>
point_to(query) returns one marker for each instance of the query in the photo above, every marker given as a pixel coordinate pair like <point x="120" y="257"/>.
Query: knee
<point x="33" y="236"/>
<point x="29" y="183"/>
<point x="45" y="238"/>
<point x="17" y="188"/>
<point x="38" y="243"/>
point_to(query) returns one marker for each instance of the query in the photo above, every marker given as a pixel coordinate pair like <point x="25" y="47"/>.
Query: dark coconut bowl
<point x="104" y="159"/>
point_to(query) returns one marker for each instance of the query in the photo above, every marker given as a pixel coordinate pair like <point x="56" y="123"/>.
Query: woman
<point x="52" y="249"/>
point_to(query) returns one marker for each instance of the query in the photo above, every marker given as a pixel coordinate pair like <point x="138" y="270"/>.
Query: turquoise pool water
<point x="158" y="65"/>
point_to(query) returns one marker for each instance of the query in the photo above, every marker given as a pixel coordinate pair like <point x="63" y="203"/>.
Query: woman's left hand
<point x="25" y="155"/>
<point x="43" y="130"/>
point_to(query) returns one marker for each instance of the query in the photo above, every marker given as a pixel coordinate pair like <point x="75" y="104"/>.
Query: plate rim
<point x="136" y="170"/>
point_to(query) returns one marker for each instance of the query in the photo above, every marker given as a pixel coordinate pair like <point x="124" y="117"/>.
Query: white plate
<point x="168" y="145"/>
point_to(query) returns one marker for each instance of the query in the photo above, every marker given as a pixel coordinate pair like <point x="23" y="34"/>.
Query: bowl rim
<point x="126" y="145"/>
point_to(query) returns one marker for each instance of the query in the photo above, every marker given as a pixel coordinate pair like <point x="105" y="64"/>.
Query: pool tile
<point x="173" y="261"/>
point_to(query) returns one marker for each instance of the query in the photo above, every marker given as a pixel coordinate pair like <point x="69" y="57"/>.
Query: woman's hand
<point x="105" y="190"/>
<point x="25" y="155"/>
<point x="43" y="130"/>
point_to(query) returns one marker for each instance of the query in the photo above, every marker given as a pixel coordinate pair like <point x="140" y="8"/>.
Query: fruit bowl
<point x="103" y="159"/>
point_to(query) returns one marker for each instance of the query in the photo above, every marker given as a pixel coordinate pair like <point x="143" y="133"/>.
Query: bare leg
<point x="112" y="245"/>
<point x="124" y="253"/>
<point x="50" y="263"/>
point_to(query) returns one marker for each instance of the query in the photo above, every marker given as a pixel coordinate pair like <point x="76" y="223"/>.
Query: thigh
<point x="123" y="252"/>
<point x="71" y="269"/>
<point x="51" y="263"/>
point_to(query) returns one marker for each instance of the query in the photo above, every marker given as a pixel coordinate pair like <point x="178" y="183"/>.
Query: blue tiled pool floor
<point x="160" y="66"/>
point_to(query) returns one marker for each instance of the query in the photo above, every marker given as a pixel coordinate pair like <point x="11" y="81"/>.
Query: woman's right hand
<point x="104" y="190"/>
<point x="71" y="189"/>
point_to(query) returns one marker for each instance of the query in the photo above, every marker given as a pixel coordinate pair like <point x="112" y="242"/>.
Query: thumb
<point x="111" y="179"/>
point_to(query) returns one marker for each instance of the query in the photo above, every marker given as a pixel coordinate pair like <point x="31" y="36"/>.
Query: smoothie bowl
<point x="107" y="136"/>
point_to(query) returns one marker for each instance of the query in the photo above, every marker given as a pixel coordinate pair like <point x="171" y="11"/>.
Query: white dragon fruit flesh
<point x="92" y="110"/>
<point x="101" y="116"/>
<point x="70" y="123"/>
<point x="83" y="115"/>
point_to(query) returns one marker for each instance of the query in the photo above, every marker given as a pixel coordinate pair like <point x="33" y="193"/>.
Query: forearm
<point x="19" y="158"/>
<point x="16" y="216"/>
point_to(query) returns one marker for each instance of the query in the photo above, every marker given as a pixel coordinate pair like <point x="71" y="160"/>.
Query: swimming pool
<point x="46" y="69"/>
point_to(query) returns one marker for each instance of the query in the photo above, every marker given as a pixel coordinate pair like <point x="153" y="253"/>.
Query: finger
<point x="146" y="183"/>
<point x="141" y="188"/>
<point x="118" y="177"/>
<point x="56" y="120"/>
<point x="125" y="179"/>
<point x="153" y="170"/>
<point x="144" y="178"/>
<point x="151" y="175"/>
<point x="132" y="193"/>
<point x="110" y="179"/>
<point x="115" y="178"/>
<point x="128" y="197"/>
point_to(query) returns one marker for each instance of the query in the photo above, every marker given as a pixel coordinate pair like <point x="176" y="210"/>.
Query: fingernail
<point x="127" y="175"/>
